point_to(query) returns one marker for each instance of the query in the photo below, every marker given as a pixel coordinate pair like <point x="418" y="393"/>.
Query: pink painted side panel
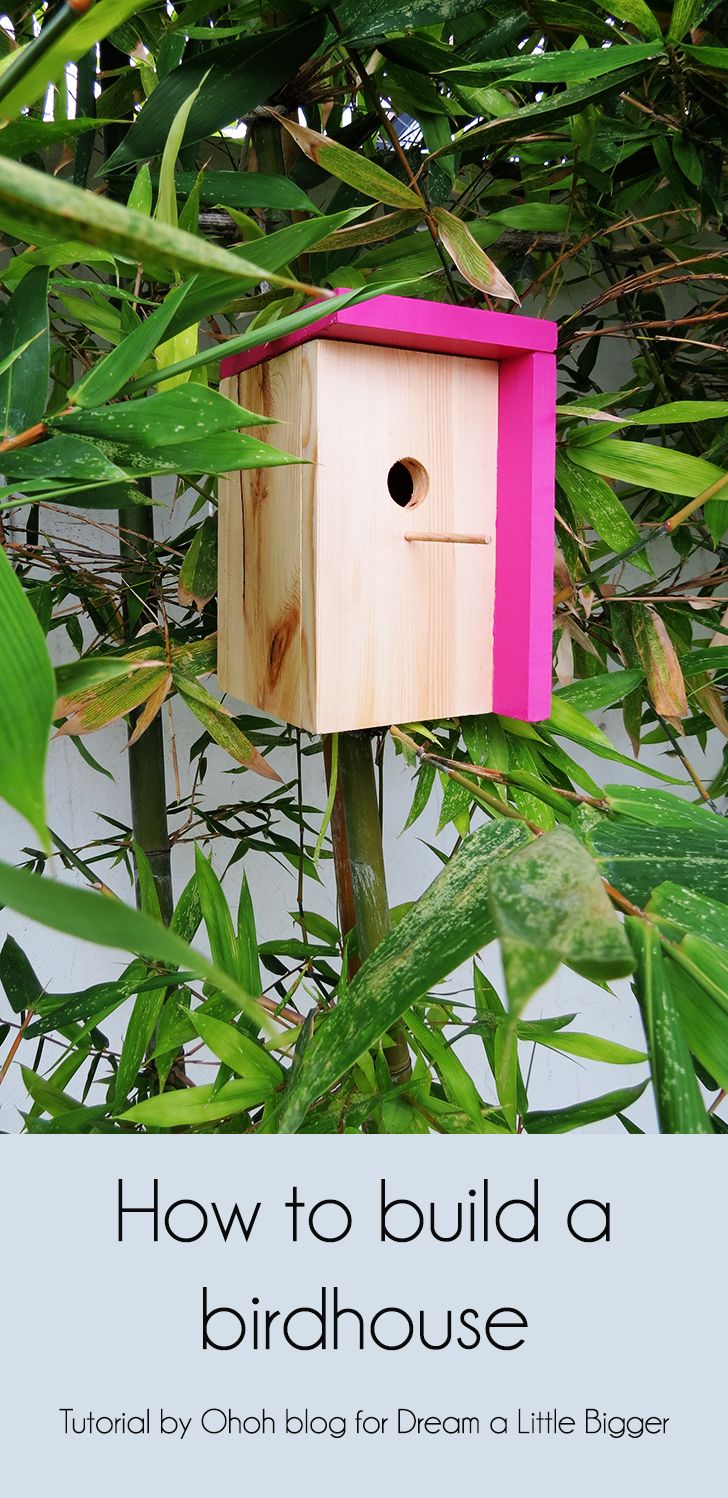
<point x="405" y="322"/>
<point x="525" y="538"/>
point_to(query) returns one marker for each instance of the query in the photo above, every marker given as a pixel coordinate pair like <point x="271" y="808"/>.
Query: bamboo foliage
<point x="567" y="158"/>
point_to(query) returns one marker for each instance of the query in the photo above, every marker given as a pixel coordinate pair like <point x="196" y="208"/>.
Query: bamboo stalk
<point x="366" y="864"/>
<point x="147" y="777"/>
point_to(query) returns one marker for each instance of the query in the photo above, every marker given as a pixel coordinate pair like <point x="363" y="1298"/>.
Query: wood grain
<point x="404" y="632"/>
<point x="328" y="618"/>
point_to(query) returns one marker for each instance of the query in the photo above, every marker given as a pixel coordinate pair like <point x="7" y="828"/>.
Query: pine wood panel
<point x="330" y="617"/>
<point x="266" y="549"/>
<point x="404" y="631"/>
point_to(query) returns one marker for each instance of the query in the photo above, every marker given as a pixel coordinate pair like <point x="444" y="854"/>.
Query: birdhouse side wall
<point x="266" y="599"/>
<point x="404" y="628"/>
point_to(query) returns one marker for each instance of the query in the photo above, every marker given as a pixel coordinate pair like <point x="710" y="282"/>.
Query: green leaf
<point x="24" y="334"/>
<point x="22" y="987"/>
<point x="580" y="1115"/>
<point x="253" y="339"/>
<point x="595" y="693"/>
<point x="458" y="1085"/>
<point x="246" y="1057"/>
<point x="233" y="78"/>
<point x="680" y="1108"/>
<point x="216" y="915"/>
<point x="549" y="906"/>
<point x="107" y="922"/>
<point x="71" y="212"/>
<point x="588" y="1047"/>
<point x="570" y="101"/>
<point x="661" y="809"/>
<point x="61" y="457"/>
<point x="166" y="205"/>
<point x="222" y="728"/>
<point x="105" y="379"/>
<point x="198" y="574"/>
<point x="680" y="413"/>
<point x="699" y="983"/>
<point x="636" y="859"/>
<point x="139" y="1032"/>
<point x="370" y="20"/>
<point x="558" y="67"/>
<point x="685" y="16"/>
<point x="492" y="1017"/>
<point x="27" y="696"/>
<point x="105" y="16"/>
<point x="351" y="167"/>
<point x="568" y="721"/>
<point x="243" y="190"/>
<point x="636" y="13"/>
<point x="470" y="259"/>
<point x="647" y="466"/>
<point x="448" y="924"/>
<point x="193" y="1107"/>
<point x="181" y="415"/>
<point x="594" y="502"/>
<point x="678" y="910"/>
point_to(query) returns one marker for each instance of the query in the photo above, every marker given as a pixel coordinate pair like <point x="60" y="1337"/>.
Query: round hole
<point x="408" y="483"/>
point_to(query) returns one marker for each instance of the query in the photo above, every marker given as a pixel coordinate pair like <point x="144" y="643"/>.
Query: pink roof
<point x="405" y="322"/>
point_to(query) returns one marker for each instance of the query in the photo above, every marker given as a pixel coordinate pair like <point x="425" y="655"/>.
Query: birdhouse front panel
<point x="403" y="570"/>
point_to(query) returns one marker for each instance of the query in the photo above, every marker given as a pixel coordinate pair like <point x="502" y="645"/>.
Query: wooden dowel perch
<point x="448" y="536"/>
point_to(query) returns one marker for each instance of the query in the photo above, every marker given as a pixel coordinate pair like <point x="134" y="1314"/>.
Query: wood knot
<point x="281" y="641"/>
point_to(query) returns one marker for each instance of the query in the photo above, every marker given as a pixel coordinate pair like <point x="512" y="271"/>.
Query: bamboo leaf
<point x="108" y="922"/>
<point x="680" y="1108"/>
<point x="105" y="702"/>
<point x="348" y="166"/>
<point x="559" y="67"/>
<point x="597" y="692"/>
<point x="472" y="262"/>
<point x="223" y="728"/>
<point x="659" y="657"/>
<point x="22" y="987"/>
<point x="636" y="13"/>
<point x="233" y="78"/>
<point x="581" y="1115"/>
<point x="243" y="190"/>
<point x="448" y="924"/>
<point x="549" y="906"/>
<point x="589" y="1047"/>
<point x="661" y="809"/>
<point x="104" y="17"/>
<point x="596" y="503"/>
<point x="173" y="416"/>
<point x="24" y="355"/>
<point x="458" y="1086"/>
<point x="193" y="1107"/>
<point x="647" y="466"/>
<point x="245" y="1057"/>
<point x="198" y="574"/>
<point x="72" y="213"/>
<point x="27" y="693"/>
<point x="636" y="859"/>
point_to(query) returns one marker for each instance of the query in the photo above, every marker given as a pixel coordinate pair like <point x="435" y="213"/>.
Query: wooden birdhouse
<point x="404" y="573"/>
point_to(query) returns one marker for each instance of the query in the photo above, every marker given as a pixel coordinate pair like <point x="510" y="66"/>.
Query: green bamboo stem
<point x="147" y="777"/>
<point x="366" y="864"/>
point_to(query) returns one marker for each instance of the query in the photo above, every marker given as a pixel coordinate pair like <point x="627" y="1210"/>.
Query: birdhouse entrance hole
<point x="408" y="483"/>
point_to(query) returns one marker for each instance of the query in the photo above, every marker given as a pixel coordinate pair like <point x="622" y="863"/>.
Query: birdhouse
<point x="404" y="571"/>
